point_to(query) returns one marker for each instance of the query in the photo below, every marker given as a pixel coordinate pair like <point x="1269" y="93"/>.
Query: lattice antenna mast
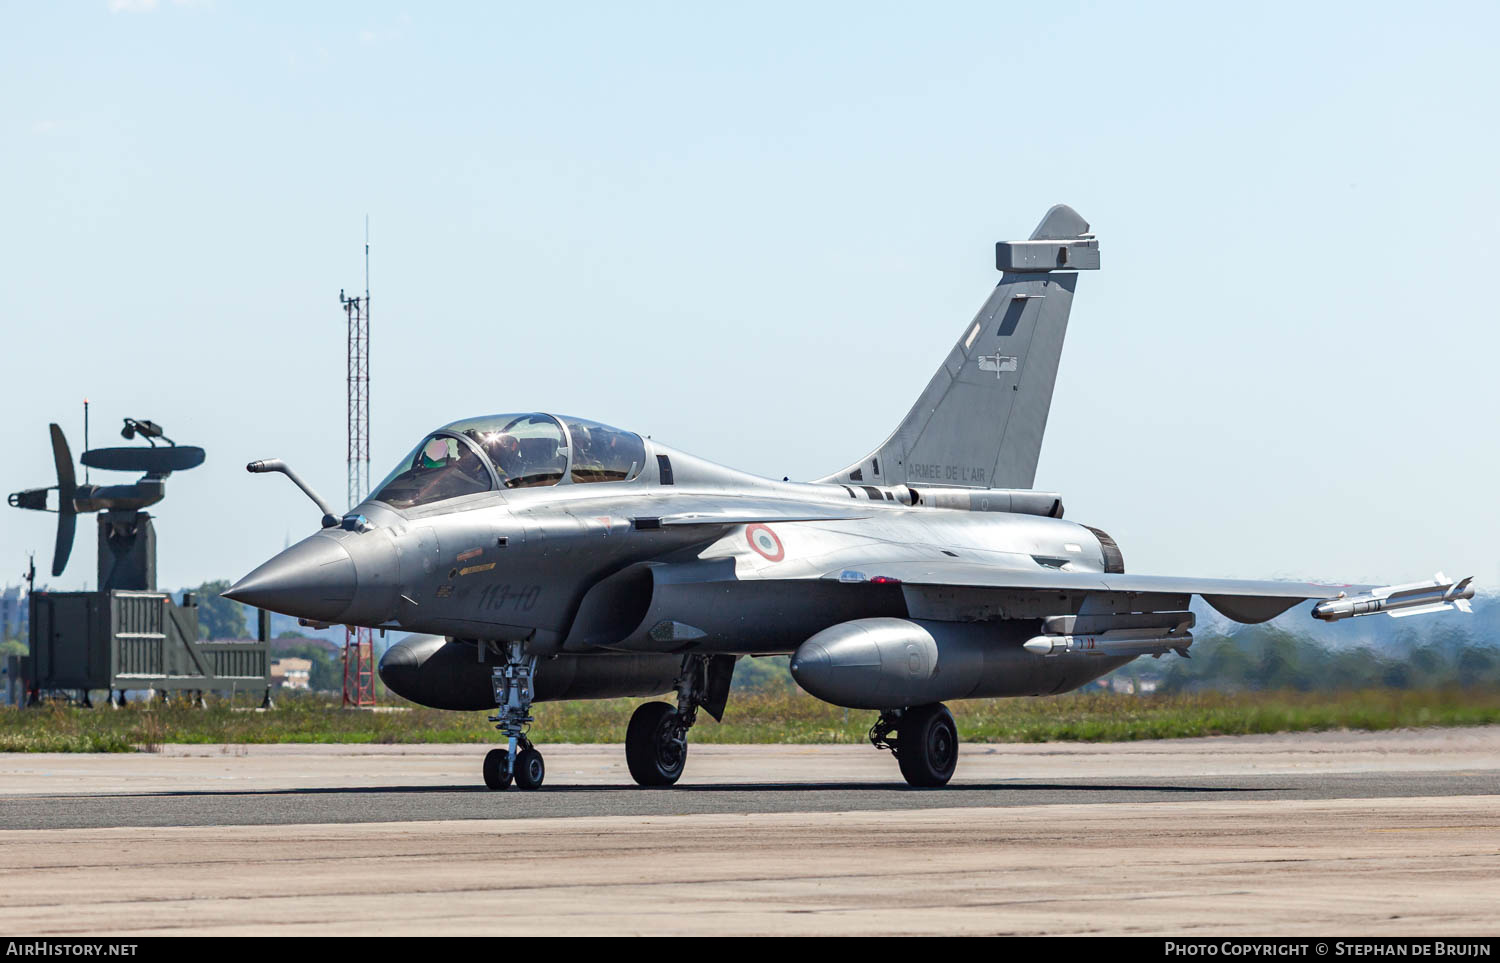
<point x="357" y="316"/>
<point x="359" y="643"/>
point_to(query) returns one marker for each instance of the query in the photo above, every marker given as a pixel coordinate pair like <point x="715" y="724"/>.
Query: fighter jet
<point x="548" y="557"/>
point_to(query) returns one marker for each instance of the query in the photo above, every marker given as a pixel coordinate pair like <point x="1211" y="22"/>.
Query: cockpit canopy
<point x="511" y="451"/>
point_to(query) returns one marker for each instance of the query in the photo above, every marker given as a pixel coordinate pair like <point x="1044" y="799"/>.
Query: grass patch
<point x="753" y="717"/>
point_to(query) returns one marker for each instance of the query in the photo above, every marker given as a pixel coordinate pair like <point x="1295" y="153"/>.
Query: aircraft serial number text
<point x="518" y="598"/>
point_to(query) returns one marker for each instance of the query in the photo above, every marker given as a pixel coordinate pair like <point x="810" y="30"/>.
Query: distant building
<point x="12" y="612"/>
<point x="290" y="673"/>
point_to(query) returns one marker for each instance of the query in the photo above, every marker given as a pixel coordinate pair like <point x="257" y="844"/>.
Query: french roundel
<point x="764" y="542"/>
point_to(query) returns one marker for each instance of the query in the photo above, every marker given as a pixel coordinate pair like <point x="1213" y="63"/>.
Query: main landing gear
<point x="656" y="744"/>
<point x="926" y="743"/>
<point x="519" y="761"/>
<point x="656" y="739"/>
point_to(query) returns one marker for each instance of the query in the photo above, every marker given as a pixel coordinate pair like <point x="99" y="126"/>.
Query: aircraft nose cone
<point x="313" y="579"/>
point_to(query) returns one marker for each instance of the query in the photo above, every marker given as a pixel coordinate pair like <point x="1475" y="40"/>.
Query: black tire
<point x="530" y="770"/>
<point x="927" y="745"/>
<point x="496" y="776"/>
<point x="651" y="753"/>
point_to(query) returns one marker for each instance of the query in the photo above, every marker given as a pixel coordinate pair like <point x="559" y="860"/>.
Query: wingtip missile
<point x="1399" y="601"/>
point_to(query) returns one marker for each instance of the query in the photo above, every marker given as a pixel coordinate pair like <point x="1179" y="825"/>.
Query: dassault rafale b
<point x="547" y="557"/>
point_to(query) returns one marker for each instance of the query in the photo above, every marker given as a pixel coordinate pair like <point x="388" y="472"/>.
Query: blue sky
<point x="753" y="233"/>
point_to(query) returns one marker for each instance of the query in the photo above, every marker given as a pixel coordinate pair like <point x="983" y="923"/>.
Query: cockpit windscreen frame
<point x="524" y="450"/>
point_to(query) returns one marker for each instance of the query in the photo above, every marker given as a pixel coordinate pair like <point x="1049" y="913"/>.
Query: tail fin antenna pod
<point x="980" y="421"/>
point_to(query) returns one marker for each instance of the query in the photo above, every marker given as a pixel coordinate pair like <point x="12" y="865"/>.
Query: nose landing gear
<point x="529" y="768"/>
<point x="497" y="773"/>
<point x="528" y="772"/>
<point x="519" y="761"/>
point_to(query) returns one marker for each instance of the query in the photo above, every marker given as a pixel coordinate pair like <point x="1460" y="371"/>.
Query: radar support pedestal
<point x="127" y="551"/>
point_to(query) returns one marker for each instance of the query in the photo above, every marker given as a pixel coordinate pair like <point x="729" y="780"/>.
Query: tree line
<point x="1270" y="657"/>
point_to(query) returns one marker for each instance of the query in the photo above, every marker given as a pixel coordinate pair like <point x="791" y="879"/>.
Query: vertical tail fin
<point x="980" y="421"/>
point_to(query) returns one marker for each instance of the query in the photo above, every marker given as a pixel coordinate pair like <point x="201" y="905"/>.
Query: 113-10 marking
<point x="521" y="598"/>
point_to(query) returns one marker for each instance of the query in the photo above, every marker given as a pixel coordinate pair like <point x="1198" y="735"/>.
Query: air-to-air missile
<point x="1413" y="598"/>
